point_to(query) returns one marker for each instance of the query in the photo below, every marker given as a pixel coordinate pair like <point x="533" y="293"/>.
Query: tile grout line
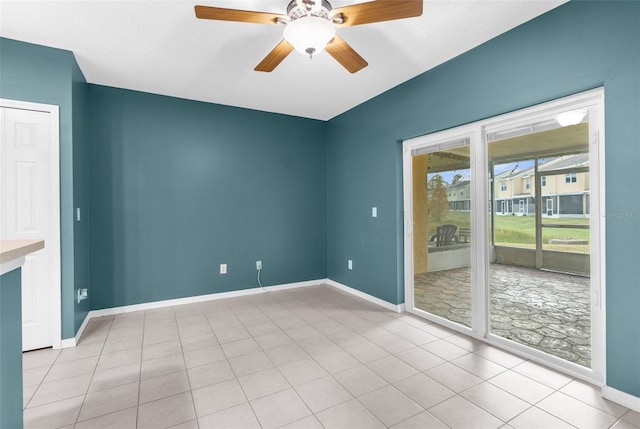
<point x="144" y="324"/>
<point x="293" y="307"/>
<point x="93" y="373"/>
<point x="336" y="380"/>
<point x="186" y="371"/>
<point x="25" y="406"/>
<point x="340" y="384"/>
<point x="274" y="365"/>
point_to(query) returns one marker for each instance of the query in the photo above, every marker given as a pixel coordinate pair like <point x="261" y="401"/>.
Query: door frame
<point x="56" y="293"/>
<point x="591" y="100"/>
<point x="431" y="143"/>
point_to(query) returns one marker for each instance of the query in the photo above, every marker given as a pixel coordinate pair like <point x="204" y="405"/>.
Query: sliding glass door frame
<point x="433" y="143"/>
<point x="593" y="102"/>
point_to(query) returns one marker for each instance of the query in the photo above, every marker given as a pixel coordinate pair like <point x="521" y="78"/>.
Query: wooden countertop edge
<point x="14" y="249"/>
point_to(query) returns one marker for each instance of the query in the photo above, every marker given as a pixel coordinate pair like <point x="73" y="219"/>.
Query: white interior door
<point x="26" y="212"/>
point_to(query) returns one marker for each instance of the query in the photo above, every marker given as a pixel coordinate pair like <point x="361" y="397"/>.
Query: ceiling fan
<point x="310" y="26"/>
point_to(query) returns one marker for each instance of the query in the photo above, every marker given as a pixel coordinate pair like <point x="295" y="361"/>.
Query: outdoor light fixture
<point x="310" y="34"/>
<point x="572" y="117"/>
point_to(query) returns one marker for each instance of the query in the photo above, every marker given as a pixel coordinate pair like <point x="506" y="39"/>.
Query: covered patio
<point x="544" y="310"/>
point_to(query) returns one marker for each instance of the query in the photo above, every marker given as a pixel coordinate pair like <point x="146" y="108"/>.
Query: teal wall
<point x="176" y="187"/>
<point x="51" y="76"/>
<point x="81" y="192"/>
<point x="578" y="46"/>
<point x="179" y="187"/>
<point x="10" y="350"/>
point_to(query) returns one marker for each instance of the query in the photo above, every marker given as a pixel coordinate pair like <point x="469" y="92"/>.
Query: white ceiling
<point x="160" y="47"/>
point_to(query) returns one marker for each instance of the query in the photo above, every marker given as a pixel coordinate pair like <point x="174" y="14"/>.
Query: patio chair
<point x="445" y="235"/>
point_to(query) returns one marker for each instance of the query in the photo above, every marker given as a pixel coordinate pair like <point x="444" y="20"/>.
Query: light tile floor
<point x="314" y="357"/>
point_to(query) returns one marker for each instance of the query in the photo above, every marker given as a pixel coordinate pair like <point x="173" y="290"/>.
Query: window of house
<point x="503" y="185"/>
<point x="570" y="178"/>
<point x="543" y="180"/>
<point x="527" y="183"/>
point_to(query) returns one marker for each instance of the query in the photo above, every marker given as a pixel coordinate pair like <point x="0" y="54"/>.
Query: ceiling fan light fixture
<point x="310" y="34"/>
<point x="310" y="26"/>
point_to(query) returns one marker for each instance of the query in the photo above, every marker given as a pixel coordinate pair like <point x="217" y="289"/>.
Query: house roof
<point x="512" y="174"/>
<point x="160" y="47"/>
<point x="557" y="163"/>
<point x="460" y="184"/>
<point x="562" y="162"/>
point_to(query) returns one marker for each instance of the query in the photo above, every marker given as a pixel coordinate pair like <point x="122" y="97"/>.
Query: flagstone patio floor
<point x="543" y="310"/>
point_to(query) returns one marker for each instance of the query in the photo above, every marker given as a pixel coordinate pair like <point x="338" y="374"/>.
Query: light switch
<point x="223" y="268"/>
<point x="350" y="264"/>
<point x="374" y="211"/>
<point x="78" y="214"/>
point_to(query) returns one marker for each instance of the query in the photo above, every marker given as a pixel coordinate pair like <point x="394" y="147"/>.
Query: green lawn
<point x="519" y="231"/>
<point x="461" y="220"/>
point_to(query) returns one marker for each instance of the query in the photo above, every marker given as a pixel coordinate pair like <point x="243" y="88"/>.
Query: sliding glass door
<point x="441" y="197"/>
<point x="500" y="241"/>
<point x="539" y="265"/>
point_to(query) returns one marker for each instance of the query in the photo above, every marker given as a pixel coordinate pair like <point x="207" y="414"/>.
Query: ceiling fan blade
<point x="275" y="57"/>
<point x="345" y="55"/>
<point x="377" y="11"/>
<point x="222" y="14"/>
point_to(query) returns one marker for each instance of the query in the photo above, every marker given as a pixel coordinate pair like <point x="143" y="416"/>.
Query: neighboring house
<point x="566" y="195"/>
<point x="514" y="192"/>
<point x="563" y="194"/>
<point x="459" y="196"/>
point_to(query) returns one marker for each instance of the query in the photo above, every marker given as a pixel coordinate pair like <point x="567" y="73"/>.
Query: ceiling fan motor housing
<point x="300" y="8"/>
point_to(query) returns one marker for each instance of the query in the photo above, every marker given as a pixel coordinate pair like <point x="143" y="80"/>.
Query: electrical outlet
<point x="350" y="264"/>
<point x="374" y="211"/>
<point x="223" y="268"/>
<point x="258" y="265"/>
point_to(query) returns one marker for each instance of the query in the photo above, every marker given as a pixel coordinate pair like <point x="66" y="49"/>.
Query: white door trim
<point x="431" y="143"/>
<point x="593" y="101"/>
<point x="56" y="300"/>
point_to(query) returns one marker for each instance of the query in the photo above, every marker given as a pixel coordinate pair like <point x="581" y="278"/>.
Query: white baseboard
<point x="67" y="343"/>
<point x="200" y="298"/>
<point x="295" y="285"/>
<point x="399" y="308"/>
<point x="630" y="401"/>
<point x="72" y="342"/>
<point x="622" y="398"/>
